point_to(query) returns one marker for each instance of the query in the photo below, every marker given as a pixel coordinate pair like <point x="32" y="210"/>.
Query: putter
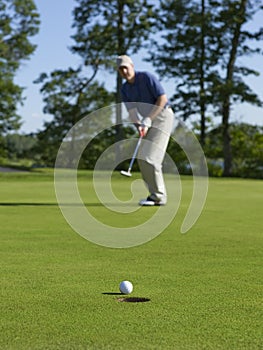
<point x="128" y="173"/>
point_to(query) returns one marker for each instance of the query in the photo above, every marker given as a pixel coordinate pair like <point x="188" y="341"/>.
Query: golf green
<point x="202" y="289"/>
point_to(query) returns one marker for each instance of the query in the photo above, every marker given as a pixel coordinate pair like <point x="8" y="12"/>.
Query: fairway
<point x="60" y="291"/>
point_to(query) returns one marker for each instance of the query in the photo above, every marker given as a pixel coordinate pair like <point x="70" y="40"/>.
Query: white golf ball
<point x="126" y="287"/>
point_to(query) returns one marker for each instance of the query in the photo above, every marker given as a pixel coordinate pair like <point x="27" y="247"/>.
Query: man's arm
<point x="133" y="115"/>
<point x="157" y="109"/>
<point x="146" y="123"/>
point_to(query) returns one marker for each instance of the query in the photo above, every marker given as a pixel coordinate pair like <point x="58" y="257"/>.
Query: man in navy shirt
<point x="149" y="110"/>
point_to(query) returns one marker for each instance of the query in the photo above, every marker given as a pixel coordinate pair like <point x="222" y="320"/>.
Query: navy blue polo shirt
<point x="143" y="93"/>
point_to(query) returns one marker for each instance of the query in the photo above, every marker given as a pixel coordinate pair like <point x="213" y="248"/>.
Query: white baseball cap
<point x="123" y="60"/>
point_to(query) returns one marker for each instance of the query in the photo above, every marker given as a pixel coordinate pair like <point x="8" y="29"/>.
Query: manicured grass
<point x="59" y="291"/>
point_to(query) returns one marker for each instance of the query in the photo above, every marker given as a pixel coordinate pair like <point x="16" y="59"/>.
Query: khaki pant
<point x="152" y="152"/>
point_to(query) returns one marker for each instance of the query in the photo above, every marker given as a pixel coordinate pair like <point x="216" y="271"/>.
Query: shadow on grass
<point x="15" y="204"/>
<point x="10" y="204"/>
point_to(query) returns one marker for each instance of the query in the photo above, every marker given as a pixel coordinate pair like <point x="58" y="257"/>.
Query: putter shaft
<point x="128" y="173"/>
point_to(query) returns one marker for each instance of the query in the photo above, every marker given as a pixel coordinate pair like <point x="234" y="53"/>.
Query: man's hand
<point x="142" y="130"/>
<point x="144" y="126"/>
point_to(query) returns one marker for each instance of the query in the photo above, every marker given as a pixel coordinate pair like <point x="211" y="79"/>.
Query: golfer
<point x="149" y="110"/>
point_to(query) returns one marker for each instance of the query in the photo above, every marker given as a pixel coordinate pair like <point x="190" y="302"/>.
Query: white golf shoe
<point x="149" y="202"/>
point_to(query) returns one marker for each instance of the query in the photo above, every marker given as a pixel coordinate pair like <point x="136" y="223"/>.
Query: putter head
<point x="126" y="173"/>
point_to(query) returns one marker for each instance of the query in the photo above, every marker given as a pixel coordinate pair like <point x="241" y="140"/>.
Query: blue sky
<point x="52" y="53"/>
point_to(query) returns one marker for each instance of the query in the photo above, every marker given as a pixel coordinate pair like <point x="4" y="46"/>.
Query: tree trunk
<point x="202" y="87"/>
<point x="227" y="152"/>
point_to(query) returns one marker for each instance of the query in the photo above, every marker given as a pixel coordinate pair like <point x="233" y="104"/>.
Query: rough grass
<point x="59" y="291"/>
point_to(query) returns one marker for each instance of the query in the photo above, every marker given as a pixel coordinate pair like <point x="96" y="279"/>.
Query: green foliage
<point x="105" y="29"/>
<point x="19" y="146"/>
<point x="69" y="97"/>
<point x="99" y="144"/>
<point x="2" y="147"/>
<point x="10" y="96"/>
<point x="179" y="157"/>
<point x="48" y="141"/>
<point x="196" y="43"/>
<point x="199" y="45"/>
<point x="178" y="54"/>
<point x="96" y="147"/>
<point x="19" y="21"/>
<point x="247" y="148"/>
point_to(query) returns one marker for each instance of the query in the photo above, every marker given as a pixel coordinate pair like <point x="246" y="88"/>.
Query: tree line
<point x="197" y="45"/>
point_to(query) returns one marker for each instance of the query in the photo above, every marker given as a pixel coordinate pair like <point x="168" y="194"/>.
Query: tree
<point x="247" y="150"/>
<point x="185" y="50"/>
<point x="108" y="28"/>
<point x="19" y="21"/>
<point x="19" y="146"/>
<point x="68" y="96"/>
<point x="198" y="45"/>
<point x="232" y="88"/>
<point x="10" y="96"/>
